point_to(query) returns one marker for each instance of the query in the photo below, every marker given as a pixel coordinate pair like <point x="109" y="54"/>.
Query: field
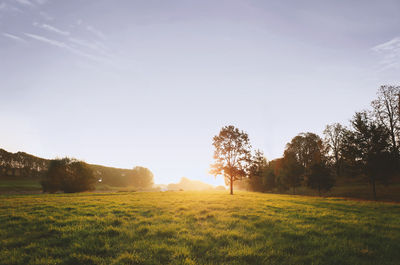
<point x="196" y="228"/>
<point x="359" y="189"/>
<point x="18" y="186"/>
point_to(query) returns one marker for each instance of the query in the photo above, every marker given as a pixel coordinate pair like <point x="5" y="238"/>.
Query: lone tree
<point x="232" y="155"/>
<point x="68" y="175"/>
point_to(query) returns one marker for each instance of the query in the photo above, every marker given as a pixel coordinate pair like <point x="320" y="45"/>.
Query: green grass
<point x="356" y="190"/>
<point x="196" y="228"/>
<point x="344" y="188"/>
<point x="12" y="185"/>
<point x="15" y="185"/>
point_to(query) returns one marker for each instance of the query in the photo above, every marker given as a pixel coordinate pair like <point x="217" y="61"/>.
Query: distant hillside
<point x="22" y="165"/>
<point x="188" y="184"/>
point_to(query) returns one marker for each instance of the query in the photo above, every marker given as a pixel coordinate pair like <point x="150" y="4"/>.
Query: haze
<point x="149" y="83"/>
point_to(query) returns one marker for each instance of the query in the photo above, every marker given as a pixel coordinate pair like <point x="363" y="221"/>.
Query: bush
<point x="68" y="175"/>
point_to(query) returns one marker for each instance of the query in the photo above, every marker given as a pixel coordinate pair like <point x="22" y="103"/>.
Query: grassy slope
<point x="196" y="228"/>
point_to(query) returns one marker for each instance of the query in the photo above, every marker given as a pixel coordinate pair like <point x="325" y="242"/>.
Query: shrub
<point x="68" y="175"/>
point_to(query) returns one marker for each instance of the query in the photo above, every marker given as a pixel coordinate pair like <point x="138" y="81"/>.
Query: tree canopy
<point x="68" y="175"/>
<point x="232" y="155"/>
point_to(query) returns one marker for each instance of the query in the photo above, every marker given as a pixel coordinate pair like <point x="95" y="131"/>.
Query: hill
<point x="20" y="166"/>
<point x="188" y="184"/>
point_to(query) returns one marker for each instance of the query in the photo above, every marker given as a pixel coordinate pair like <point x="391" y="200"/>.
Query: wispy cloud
<point x="41" y="2"/>
<point x="13" y="37"/>
<point x="390" y="51"/>
<point x="52" y="29"/>
<point x="30" y="3"/>
<point x="96" y="32"/>
<point x="46" y="16"/>
<point x="391" y="45"/>
<point x="24" y="2"/>
<point x="48" y="41"/>
<point x="6" y="7"/>
<point x="95" y="46"/>
<point x="67" y="47"/>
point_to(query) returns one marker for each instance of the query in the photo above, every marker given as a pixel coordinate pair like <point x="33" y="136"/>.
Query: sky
<point x="127" y="83"/>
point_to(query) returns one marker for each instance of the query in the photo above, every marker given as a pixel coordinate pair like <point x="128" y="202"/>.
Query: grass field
<point x="358" y="189"/>
<point x="196" y="228"/>
<point x="15" y="185"/>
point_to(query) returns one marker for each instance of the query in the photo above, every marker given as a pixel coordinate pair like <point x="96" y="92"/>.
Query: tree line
<point x="71" y="175"/>
<point x="21" y="164"/>
<point x="368" y="147"/>
<point x="68" y="174"/>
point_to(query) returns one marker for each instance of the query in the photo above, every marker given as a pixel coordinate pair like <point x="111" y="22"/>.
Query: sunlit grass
<point x="196" y="228"/>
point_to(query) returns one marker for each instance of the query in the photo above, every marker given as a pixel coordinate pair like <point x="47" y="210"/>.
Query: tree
<point x="258" y="171"/>
<point x="232" y="155"/>
<point x="386" y="109"/>
<point x="275" y="178"/>
<point x="292" y="170"/>
<point x="367" y="148"/>
<point x="307" y="148"/>
<point x="68" y="175"/>
<point x="320" y="177"/>
<point x="141" y="177"/>
<point x="333" y="142"/>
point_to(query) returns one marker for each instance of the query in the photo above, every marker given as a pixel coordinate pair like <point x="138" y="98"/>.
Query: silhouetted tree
<point x="257" y="172"/>
<point x="68" y="175"/>
<point x="367" y="149"/>
<point x="386" y="109"/>
<point x="292" y="170"/>
<point x="232" y="155"/>
<point x="320" y="177"/>
<point x="333" y="142"/>
<point x="275" y="178"/>
<point x="307" y="148"/>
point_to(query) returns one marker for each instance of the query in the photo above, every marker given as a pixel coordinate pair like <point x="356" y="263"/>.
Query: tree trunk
<point x="231" y="184"/>
<point x="373" y="189"/>
<point x="294" y="190"/>
<point x="319" y="190"/>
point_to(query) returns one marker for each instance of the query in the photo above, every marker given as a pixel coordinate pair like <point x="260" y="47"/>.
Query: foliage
<point x="232" y="155"/>
<point x="196" y="228"/>
<point x="320" y="177"/>
<point x="333" y="144"/>
<point x="292" y="170"/>
<point x="139" y="177"/>
<point x="307" y="149"/>
<point x="68" y="175"/>
<point x="258" y="172"/>
<point x="21" y="164"/>
<point x="386" y="109"/>
<point x="367" y="149"/>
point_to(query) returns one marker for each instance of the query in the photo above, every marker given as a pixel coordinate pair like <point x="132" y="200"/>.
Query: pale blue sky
<point x="126" y="83"/>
